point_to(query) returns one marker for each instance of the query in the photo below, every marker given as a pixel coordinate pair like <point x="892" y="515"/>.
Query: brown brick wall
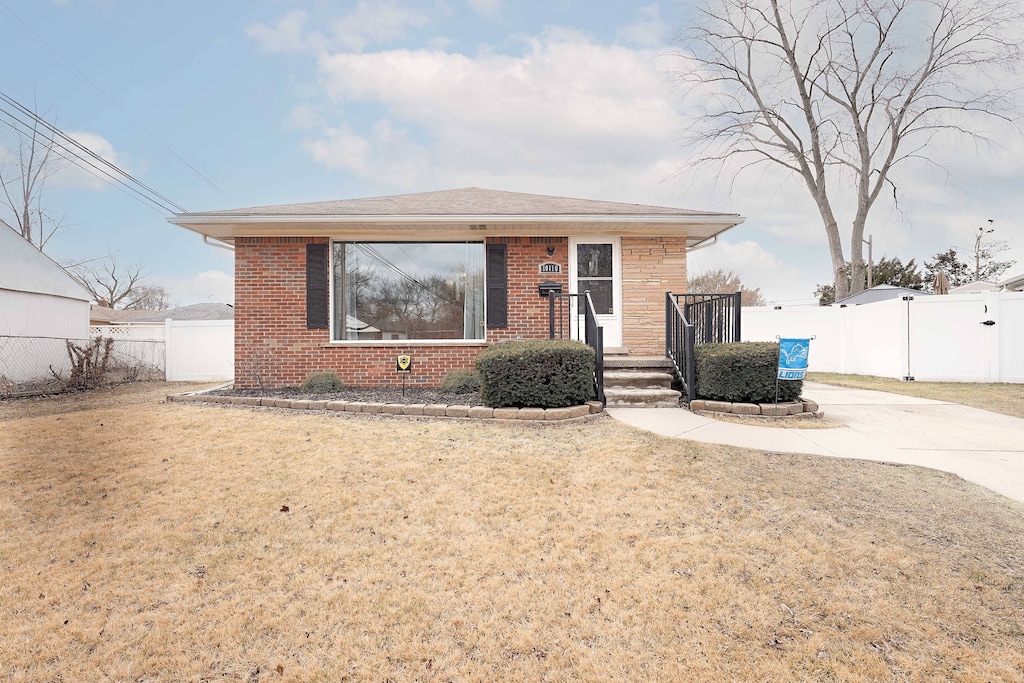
<point x="527" y="310"/>
<point x="651" y="266"/>
<point x="271" y="338"/>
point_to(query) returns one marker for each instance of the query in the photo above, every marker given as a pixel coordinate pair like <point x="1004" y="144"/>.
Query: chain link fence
<point x="43" y="365"/>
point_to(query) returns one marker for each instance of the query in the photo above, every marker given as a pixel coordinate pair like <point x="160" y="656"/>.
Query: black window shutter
<point x="317" y="306"/>
<point x="497" y="286"/>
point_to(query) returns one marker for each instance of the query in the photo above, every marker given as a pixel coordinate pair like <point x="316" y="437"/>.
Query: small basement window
<point x="407" y="290"/>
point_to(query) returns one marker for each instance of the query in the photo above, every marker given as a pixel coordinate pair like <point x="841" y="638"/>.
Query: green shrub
<point x="322" y="383"/>
<point x="742" y="372"/>
<point x="536" y="374"/>
<point x="462" y="381"/>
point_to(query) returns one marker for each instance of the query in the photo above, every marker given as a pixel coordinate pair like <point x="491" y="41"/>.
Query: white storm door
<point x="595" y="265"/>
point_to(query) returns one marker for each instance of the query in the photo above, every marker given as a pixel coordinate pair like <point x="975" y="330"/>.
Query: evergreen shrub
<point x="322" y="383"/>
<point x="536" y="374"/>
<point x="462" y="381"/>
<point x="742" y="372"/>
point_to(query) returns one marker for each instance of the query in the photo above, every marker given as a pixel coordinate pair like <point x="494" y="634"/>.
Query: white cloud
<point x="385" y="155"/>
<point x="88" y="172"/>
<point x="379" y="21"/>
<point x="567" y="103"/>
<point x="649" y="30"/>
<point x="210" y="286"/>
<point x="778" y="280"/>
<point x="66" y="174"/>
<point x="485" y="6"/>
<point x="287" y="34"/>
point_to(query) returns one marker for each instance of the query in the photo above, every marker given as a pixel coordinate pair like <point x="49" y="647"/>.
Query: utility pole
<point x="871" y="276"/>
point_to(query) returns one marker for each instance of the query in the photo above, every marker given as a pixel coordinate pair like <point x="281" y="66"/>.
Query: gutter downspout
<point x="218" y="244"/>
<point x="703" y="244"/>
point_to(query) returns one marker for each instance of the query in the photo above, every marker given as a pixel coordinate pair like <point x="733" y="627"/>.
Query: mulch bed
<point x="366" y="395"/>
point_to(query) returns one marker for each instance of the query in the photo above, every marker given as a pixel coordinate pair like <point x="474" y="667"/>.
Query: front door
<point x="595" y="265"/>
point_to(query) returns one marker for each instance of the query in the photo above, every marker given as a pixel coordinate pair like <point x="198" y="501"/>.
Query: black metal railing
<point x="679" y="343"/>
<point x="564" y="322"/>
<point x="692" y="319"/>
<point x="715" y="317"/>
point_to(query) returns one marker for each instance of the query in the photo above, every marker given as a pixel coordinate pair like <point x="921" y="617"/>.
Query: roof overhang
<point x="226" y="228"/>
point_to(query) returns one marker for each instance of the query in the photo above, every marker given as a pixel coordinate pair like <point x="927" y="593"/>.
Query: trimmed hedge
<point x="462" y="381"/>
<point x="322" y="383"/>
<point x="742" y="372"/>
<point x="536" y="374"/>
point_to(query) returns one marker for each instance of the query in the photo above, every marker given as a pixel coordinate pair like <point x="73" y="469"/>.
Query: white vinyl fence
<point x="200" y="350"/>
<point x="195" y="350"/>
<point x="975" y="337"/>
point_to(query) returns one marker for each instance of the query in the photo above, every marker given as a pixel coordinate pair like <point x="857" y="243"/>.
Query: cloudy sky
<point x="279" y="102"/>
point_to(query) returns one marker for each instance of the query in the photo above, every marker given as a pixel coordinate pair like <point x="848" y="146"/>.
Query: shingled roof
<point x="470" y="201"/>
<point x="456" y="214"/>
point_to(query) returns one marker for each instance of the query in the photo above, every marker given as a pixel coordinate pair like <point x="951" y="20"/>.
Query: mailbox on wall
<point x="549" y="287"/>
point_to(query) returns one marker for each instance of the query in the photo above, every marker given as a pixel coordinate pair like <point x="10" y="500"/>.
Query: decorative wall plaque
<point x="550" y="267"/>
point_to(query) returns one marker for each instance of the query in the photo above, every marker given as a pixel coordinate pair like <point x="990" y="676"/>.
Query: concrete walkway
<point x="982" y="447"/>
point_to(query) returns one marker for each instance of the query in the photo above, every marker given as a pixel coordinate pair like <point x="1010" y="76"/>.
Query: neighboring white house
<point x="975" y="287"/>
<point x="1013" y="284"/>
<point x="37" y="297"/>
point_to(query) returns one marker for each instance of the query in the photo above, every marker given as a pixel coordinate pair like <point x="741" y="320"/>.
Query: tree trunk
<point x="835" y="248"/>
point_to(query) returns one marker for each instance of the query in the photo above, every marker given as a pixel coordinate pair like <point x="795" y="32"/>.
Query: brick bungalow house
<point x="348" y="285"/>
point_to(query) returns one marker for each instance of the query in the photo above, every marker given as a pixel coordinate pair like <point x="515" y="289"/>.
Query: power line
<point x="75" y="159"/>
<point x="56" y="131"/>
<point x="70" y="156"/>
<point x="62" y="153"/>
<point x="99" y="91"/>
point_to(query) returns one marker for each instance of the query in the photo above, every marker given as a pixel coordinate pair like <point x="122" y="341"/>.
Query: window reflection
<point x="594" y="273"/>
<point x="408" y="290"/>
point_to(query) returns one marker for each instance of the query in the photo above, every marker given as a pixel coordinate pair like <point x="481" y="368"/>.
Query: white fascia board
<point x="426" y="227"/>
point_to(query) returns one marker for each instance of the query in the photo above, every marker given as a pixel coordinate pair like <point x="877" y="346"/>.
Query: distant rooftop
<point x="880" y="293"/>
<point x="191" y="312"/>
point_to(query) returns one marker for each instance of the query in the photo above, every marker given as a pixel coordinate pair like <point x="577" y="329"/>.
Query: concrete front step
<point x="638" y="363"/>
<point x="637" y="379"/>
<point x="639" y="382"/>
<point x="641" y="398"/>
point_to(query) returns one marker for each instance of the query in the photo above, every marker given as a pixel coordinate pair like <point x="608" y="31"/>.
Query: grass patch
<point x="149" y="541"/>
<point x="1007" y="399"/>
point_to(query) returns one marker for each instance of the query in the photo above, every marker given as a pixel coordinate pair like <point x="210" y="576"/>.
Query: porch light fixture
<point x="551" y="251"/>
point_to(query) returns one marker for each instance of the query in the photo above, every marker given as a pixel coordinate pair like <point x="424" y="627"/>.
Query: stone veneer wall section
<point x="651" y="266"/>
<point x="272" y="341"/>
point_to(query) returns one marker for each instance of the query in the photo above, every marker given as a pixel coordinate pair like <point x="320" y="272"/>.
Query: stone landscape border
<point x="801" y="408"/>
<point x="405" y="409"/>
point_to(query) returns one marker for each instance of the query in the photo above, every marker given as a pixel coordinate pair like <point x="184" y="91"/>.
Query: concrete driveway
<point x="980" y="446"/>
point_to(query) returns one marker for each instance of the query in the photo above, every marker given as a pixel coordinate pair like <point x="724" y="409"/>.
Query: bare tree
<point x="23" y="179"/>
<point x="841" y="92"/>
<point x="979" y="264"/>
<point x="724" y="282"/>
<point x="984" y="253"/>
<point x="119" y="286"/>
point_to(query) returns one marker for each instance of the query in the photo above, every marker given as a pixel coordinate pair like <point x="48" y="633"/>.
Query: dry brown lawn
<point x="142" y="541"/>
<point x="1007" y="399"/>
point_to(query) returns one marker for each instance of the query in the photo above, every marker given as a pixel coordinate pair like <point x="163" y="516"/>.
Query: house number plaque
<point x="550" y="267"/>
